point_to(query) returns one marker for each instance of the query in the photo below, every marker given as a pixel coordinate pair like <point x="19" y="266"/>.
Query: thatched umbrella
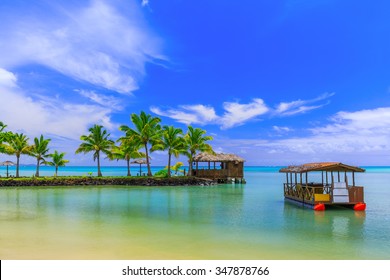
<point x="7" y="163"/>
<point x="139" y="161"/>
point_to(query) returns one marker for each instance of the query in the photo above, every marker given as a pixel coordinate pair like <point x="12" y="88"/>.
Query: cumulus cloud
<point x="91" y="41"/>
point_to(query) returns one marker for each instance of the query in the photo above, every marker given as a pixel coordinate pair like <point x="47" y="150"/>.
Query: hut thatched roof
<point x="321" y="166"/>
<point x="139" y="161"/>
<point x="205" y="157"/>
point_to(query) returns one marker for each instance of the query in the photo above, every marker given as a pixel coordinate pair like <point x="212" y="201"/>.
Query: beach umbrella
<point x="7" y="163"/>
<point x="139" y="161"/>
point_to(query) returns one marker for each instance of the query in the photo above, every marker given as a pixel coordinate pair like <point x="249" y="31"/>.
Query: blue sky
<point x="277" y="82"/>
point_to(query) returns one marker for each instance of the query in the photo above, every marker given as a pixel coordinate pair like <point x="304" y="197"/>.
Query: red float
<point x="359" y="207"/>
<point x="319" y="207"/>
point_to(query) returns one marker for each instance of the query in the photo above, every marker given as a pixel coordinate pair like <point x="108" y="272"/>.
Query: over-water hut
<point x="332" y="186"/>
<point x="221" y="167"/>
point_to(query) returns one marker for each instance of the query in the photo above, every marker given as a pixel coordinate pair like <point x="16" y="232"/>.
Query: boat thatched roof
<point x="321" y="166"/>
<point x="139" y="161"/>
<point x="205" y="157"/>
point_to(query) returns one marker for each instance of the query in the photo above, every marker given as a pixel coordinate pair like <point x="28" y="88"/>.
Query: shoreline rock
<point x="94" y="181"/>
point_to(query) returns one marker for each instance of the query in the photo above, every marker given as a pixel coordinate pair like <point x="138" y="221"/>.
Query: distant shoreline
<point x="101" y="181"/>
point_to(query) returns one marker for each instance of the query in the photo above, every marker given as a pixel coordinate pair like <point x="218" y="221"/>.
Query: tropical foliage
<point x="173" y="142"/>
<point x="96" y="142"/>
<point x="16" y="144"/>
<point x="145" y="134"/>
<point x="127" y="150"/>
<point x="57" y="160"/>
<point x="40" y="151"/>
<point x="195" y="141"/>
<point x="147" y="131"/>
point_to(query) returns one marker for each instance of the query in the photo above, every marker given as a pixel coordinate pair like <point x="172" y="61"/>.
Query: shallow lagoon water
<point x="249" y="221"/>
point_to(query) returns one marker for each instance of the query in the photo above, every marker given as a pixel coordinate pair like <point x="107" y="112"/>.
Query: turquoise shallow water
<point x="249" y="221"/>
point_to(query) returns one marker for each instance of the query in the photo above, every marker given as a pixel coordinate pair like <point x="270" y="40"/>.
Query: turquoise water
<point x="249" y="221"/>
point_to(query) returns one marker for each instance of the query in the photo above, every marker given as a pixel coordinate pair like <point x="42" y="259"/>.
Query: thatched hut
<point x="221" y="167"/>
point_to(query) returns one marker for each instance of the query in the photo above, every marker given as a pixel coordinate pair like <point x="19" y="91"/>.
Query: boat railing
<point x="310" y="192"/>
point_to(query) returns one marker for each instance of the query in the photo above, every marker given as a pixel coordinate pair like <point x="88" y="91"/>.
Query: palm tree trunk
<point x="17" y="165"/>
<point x="98" y="163"/>
<point x="169" y="164"/>
<point x="147" y="159"/>
<point x="56" y="170"/>
<point x="37" y="172"/>
<point x="190" y="165"/>
<point x="128" y="167"/>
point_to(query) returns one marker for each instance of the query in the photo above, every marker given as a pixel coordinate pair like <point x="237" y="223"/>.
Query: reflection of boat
<point x="327" y="192"/>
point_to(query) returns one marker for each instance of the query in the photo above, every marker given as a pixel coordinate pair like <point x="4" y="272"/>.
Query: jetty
<point x="334" y="185"/>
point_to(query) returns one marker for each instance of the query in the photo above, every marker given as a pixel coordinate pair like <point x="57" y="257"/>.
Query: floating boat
<point x="330" y="191"/>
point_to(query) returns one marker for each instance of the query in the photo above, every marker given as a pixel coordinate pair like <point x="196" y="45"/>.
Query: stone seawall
<point x="93" y="181"/>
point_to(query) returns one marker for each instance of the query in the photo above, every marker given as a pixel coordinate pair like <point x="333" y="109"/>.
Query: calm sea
<point x="249" y="221"/>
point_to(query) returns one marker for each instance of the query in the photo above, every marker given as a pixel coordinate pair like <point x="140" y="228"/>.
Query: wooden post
<point x="326" y="172"/>
<point x="296" y="181"/>
<point x="301" y="178"/>
<point x="209" y="165"/>
<point x="291" y="180"/>
<point x="338" y="176"/>
<point x="306" y="179"/>
<point x="214" y="164"/>
<point x="322" y="177"/>
<point x="353" y="178"/>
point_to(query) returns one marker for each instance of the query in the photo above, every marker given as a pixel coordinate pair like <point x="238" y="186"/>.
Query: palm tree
<point x="128" y="149"/>
<point x="147" y="130"/>
<point x="57" y="160"/>
<point x="40" y="151"/>
<point x="171" y="141"/>
<point x="16" y="144"/>
<point x="196" y="142"/>
<point x="2" y="136"/>
<point x="97" y="141"/>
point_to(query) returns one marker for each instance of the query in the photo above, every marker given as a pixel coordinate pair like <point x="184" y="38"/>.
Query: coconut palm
<point x="40" y="151"/>
<point x="97" y="142"/>
<point x="128" y="149"/>
<point x="196" y="142"/>
<point x="16" y="144"/>
<point x="147" y="131"/>
<point x="57" y="160"/>
<point x="171" y="141"/>
<point x="2" y="136"/>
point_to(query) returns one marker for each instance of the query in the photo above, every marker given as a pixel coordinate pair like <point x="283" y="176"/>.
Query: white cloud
<point x="281" y="129"/>
<point x="102" y="99"/>
<point x="96" y="42"/>
<point x="50" y="116"/>
<point x="235" y="113"/>
<point x="360" y="137"/>
<point x="189" y="114"/>
<point x="145" y="3"/>
<point x="299" y="106"/>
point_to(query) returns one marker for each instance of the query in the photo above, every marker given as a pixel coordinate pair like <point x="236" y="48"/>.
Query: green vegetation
<point x="196" y="142"/>
<point x="57" y="161"/>
<point x="40" y="151"/>
<point x="147" y="131"/>
<point x="97" y="142"/>
<point x="146" y="134"/>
